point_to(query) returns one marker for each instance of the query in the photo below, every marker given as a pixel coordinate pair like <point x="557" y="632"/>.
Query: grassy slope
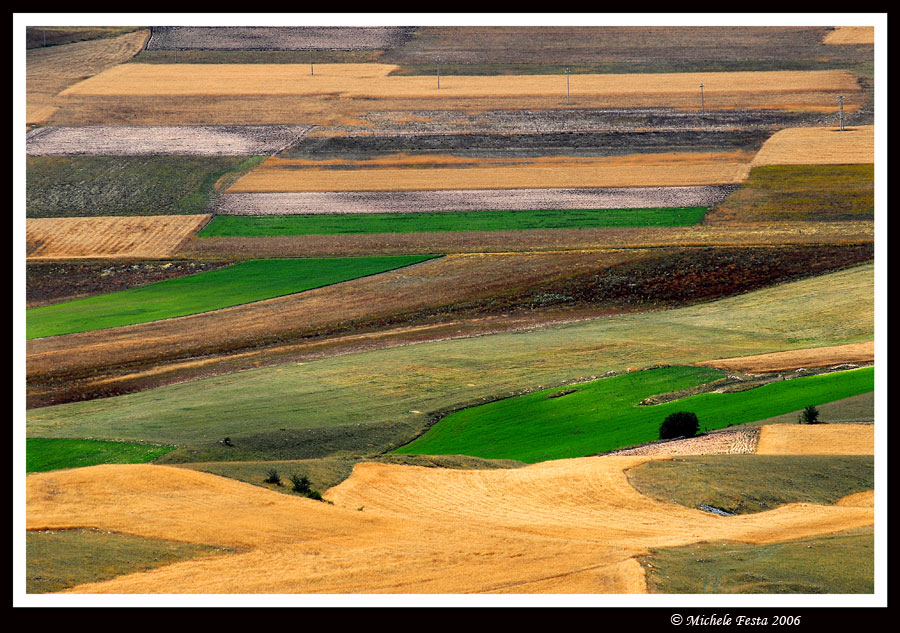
<point x="753" y="483"/>
<point x="835" y="563"/>
<point x="43" y="454"/>
<point x="601" y="416"/>
<point x="65" y="186"/>
<point x="242" y="283"/>
<point x="60" y="559"/>
<point x="803" y="192"/>
<point x="38" y="37"/>
<point x="382" y="398"/>
<point x="328" y="224"/>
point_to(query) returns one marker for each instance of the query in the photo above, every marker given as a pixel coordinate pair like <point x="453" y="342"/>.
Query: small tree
<point x="272" y="477"/>
<point x="809" y="415"/>
<point x="679" y="424"/>
<point x="302" y="484"/>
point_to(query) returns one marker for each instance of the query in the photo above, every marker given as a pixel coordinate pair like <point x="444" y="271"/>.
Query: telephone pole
<point x="702" y="105"/>
<point x="438" y="59"/>
<point x="567" y="85"/>
<point x="841" y="101"/>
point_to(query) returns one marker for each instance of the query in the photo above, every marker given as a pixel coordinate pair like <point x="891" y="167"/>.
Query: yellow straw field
<point x="813" y="357"/>
<point x="818" y="439"/>
<point x="447" y="173"/>
<point x="851" y="35"/>
<point x="406" y="529"/>
<point x="819" y="146"/>
<point x="777" y="89"/>
<point x="144" y="236"/>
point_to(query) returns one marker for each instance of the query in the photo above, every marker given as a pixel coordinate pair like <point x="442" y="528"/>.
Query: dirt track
<point x="568" y="526"/>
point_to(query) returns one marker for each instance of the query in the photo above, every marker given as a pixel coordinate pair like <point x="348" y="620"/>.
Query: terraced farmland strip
<point x="814" y="357"/>
<point x="467" y="200"/>
<point x="819" y="146"/>
<point x="245" y="282"/>
<point x="601" y="416"/>
<point x="659" y="170"/>
<point x="820" y="439"/>
<point x="333" y="224"/>
<point x="150" y="140"/>
<point x="851" y="35"/>
<point x="109" y="237"/>
<point x="362" y="392"/>
<point x="277" y="38"/>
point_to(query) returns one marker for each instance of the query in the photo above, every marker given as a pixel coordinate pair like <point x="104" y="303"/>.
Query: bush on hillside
<point x="679" y="424"/>
<point x="272" y="477"/>
<point x="810" y="415"/>
<point x="301" y="483"/>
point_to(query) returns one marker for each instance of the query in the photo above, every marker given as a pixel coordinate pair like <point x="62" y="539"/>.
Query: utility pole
<point x="438" y="59"/>
<point x="311" y="71"/>
<point x="567" y="85"/>
<point x="702" y="105"/>
<point x="841" y="100"/>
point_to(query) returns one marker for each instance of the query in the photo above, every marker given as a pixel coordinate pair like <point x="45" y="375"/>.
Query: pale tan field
<point x="446" y="173"/>
<point x="144" y="236"/>
<point x="819" y="146"/>
<point x="567" y="526"/>
<point x="851" y="35"/>
<point x="813" y="357"/>
<point x="817" y="439"/>
<point x="50" y="70"/>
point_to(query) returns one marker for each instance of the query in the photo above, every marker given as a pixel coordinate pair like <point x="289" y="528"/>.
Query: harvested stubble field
<point x="817" y="194"/>
<point x="205" y="140"/>
<point x="49" y="282"/>
<point x="819" y="439"/>
<point x="156" y="237"/>
<point x="442" y="172"/>
<point x="406" y="529"/>
<point x="66" y="186"/>
<point x="851" y="35"/>
<point x="453" y="287"/>
<point x="722" y="234"/>
<point x="819" y="146"/>
<point x="814" y="357"/>
<point x="345" y="89"/>
<point x="277" y="38"/>
<point x="322" y="202"/>
<point x="52" y="69"/>
<point x="404" y="385"/>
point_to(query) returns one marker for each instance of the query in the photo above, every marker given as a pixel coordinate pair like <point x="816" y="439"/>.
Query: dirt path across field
<point x="567" y="526"/>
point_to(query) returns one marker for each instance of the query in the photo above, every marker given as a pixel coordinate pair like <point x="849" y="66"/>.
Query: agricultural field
<point x="401" y="309"/>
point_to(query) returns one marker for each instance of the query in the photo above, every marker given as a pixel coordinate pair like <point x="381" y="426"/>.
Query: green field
<point x="447" y="221"/>
<point x="824" y="193"/>
<point x="42" y="454"/>
<point x="248" y="281"/>
<point x="743" y="484"/>
<point x="602" y="415"/>
<point x="80" y="186"/>
<point x="59" y="559"/>
<point x="840" y="563"/>
<point x="377" y="400"/>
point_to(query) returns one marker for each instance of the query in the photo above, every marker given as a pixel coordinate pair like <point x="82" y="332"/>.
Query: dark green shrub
<point x="302" y="484"/>
<point x="314" y="494"/>
<point x="679" y="424"/>
<point x="272" y="477"/>
<point x="809" y="415"/>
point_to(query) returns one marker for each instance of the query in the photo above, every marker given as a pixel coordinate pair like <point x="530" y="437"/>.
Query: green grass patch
<point x="43" y="454"/>
<point x="70" y="186"/>
<point x="742" y="484"/>
<point x="803" y="192"/>
<point x="59" y="559"/>
<point x="838" y="563"/>
<point x="851" y="410"/>
<point x="377" y="400"/>
<point x="603" y="415"/>
<point x="448" y="221"/>
<point x="244" y="282"/>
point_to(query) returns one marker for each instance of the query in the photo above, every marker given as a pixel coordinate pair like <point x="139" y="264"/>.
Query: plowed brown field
<point x="569" y="526"/>
<point x="817" y="439"/>
<point x="52" y="69"/>
<point x="814" y="357"/>
<point x="819" y="146"/>
<point x="406" y="173"/>
<point x="79" y="238"/>
<point x="851" y="35"/>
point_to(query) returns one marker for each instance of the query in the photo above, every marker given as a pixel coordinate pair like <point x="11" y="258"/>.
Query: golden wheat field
<point x="819" y="146"/>
<point x="812" y="357"/>
<point x="115" y="237"/>
<point x="406" y="529"/>
<point x="448" y="173"/>
<point x="851" y="35"/>
<point x="818" y="439"/>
